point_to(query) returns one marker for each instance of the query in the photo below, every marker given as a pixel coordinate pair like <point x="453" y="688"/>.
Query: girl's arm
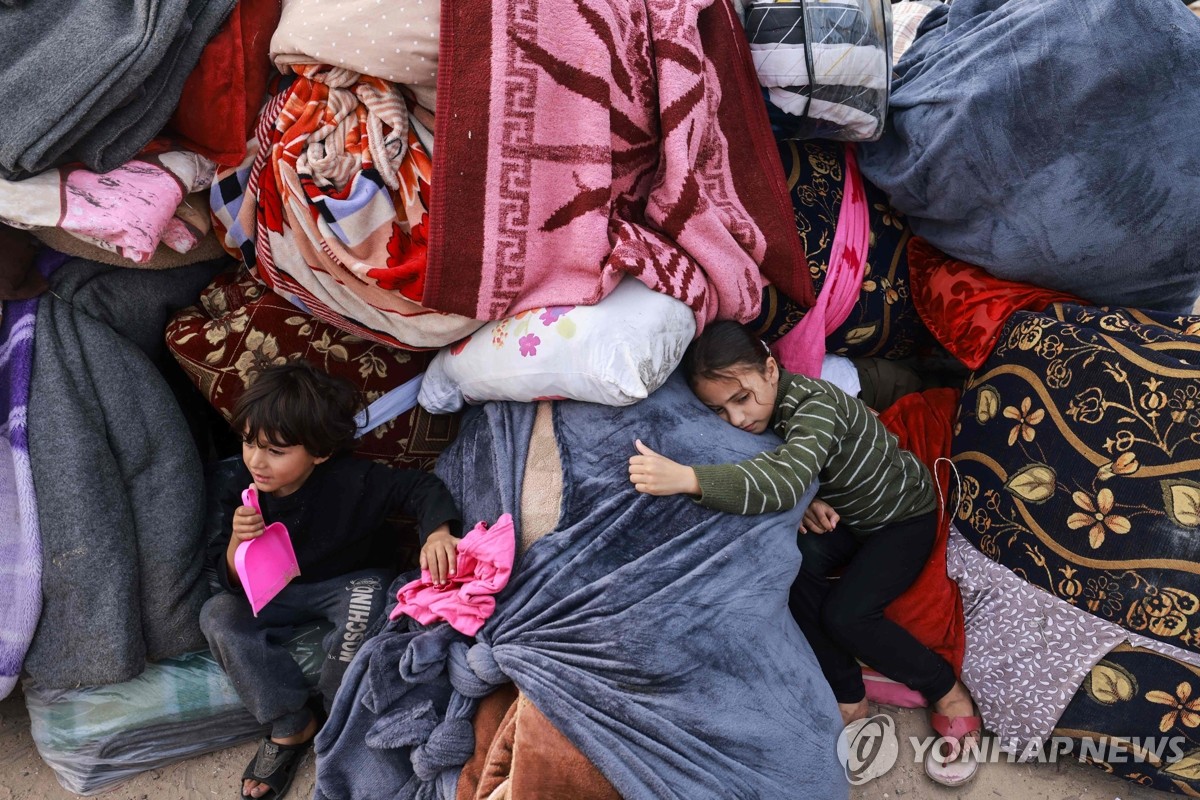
<point x="771" y="481"/>
<point x="658" y="475"/>
<point x="777" y="479"/>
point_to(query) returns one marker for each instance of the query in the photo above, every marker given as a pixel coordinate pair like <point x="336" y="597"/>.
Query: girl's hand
<point x="440" y="555"/>
<point x="819" y="517"/>
<point x="658" y="475"/>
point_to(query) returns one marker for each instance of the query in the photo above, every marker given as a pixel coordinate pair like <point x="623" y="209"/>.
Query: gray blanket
<point x="654" y="633"/>
<point x="94" y="80"/>
<point x="1054" y="141"/>
<point x="120" y="490"/>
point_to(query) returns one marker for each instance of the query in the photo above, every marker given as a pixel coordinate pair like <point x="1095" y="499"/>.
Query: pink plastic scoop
<point x="266" y="564"/>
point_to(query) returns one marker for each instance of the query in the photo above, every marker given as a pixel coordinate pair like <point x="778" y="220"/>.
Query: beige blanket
<point x="541" y="490"/>
<point x="394" y="41"/>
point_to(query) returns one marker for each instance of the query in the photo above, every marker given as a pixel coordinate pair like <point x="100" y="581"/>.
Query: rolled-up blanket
<point x="120" y="491"/>
<point x="330" y="206"/>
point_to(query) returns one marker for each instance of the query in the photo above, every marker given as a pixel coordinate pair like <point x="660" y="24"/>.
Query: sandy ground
<point x="23" y="775"/>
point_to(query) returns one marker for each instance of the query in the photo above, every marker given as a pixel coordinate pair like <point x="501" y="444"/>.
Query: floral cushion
<point x="240" y="326"/>
<point x="1135" y="693"/>
<point x="965" y="307"/>
<point x="615" y="353"/>
<point x="884" y="322"/>
<point x="1078" y="446"/>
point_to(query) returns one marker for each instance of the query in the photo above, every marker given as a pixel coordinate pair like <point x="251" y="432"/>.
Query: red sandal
<point x="960" y="763"/>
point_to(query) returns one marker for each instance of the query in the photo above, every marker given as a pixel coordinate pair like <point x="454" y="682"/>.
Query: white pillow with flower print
<point x="615" y="353"/>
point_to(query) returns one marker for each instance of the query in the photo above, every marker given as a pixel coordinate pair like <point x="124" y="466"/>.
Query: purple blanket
<point x="20" y="544"/>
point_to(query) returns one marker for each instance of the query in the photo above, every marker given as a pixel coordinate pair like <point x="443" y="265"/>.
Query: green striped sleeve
<point x="777" y="479"/>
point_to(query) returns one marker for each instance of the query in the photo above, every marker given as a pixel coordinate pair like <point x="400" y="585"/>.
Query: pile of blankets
<point x="736" y="695"/>
<point x="403" y="183"/>
<point x="94" y="81"/>
<point x="657" y="163"/>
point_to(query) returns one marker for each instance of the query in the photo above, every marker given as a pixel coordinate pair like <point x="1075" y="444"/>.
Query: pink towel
<point x="485" y="560"/>
<point x="802" y="349"/>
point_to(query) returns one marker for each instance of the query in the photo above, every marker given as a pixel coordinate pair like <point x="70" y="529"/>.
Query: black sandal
<point x="275" y="765"/>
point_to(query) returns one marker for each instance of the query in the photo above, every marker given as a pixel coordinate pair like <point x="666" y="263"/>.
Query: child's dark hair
<point x="296" y="403"/>
<point x="721" y="349"/>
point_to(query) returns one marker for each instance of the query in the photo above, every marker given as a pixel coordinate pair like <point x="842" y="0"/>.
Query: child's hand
<point x="658" y="475"/>
<point x="440" y="555"/>
<point x="247" y="524"/>
<point x="819" y="517"/>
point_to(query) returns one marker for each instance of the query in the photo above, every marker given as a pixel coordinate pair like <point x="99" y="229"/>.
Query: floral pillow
<point x="615" y="352"/>
<point x="964" y="306"/>
<point x="1078" y="445"/>
<point x="1137" y="692"/>
<point x="240" y="326"/>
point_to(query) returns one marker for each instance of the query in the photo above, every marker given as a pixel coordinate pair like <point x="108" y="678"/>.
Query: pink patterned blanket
<point x="581" y="140"/>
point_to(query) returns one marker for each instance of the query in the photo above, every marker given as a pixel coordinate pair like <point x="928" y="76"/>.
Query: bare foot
<point x="252" y="788"/>
<point x="853" y="711"/>
<point x="957" y="703"/>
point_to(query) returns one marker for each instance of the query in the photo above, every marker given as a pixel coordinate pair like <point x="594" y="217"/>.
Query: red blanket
<point x="583" y="139"/>
<point x="931" y="609"/>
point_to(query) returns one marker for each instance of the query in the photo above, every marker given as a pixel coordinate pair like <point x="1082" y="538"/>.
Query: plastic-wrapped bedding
<point x="178" y="708"/>
<point x="825" y="66"/>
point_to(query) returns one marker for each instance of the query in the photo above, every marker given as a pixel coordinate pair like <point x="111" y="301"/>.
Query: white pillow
<point x="615" y="352"/>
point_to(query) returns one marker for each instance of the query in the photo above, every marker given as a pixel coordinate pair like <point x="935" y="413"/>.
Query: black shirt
<point x="337" y="519"/>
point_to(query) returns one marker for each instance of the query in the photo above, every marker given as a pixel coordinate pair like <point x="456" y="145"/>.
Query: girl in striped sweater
<point x="874" y="521"/>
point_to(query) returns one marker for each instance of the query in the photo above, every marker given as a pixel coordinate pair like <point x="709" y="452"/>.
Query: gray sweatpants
<point x="265" y="676"/>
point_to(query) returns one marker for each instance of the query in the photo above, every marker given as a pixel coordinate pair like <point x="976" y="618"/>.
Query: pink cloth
<point x="802" y="349"/>
<point x="657" y="160"/>
<point x="127" y="211"/>
<point x="485" y="560"/>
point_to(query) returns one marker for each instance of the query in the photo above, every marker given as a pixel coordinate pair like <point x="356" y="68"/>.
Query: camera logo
<point x="868" y="748"/>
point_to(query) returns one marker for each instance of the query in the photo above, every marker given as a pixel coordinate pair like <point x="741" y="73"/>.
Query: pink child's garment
<point x="485" y="560"/>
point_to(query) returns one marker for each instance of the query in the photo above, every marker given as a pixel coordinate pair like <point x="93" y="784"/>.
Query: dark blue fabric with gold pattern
<point x="1078" y="445"/>
<point x="884" y="322"/>
<point x="1137" y="695"/>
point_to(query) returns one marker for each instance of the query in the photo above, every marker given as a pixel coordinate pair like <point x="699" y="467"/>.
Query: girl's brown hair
<point x="721" y="349"/>
<point x="296" y="403"/>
